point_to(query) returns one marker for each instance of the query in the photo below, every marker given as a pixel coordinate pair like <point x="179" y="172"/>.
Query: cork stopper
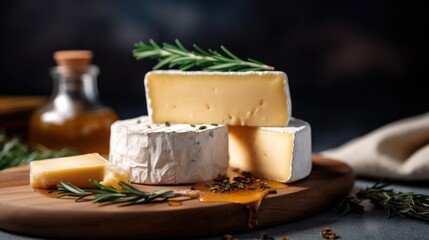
<point x="73" y="63"/>
<point x="73" y="59"/>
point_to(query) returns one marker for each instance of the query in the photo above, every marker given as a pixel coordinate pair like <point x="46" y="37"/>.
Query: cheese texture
<point x="169" y="154"/>
<point x="76" y="170"/>
<point x="278" y="153"/>
<point x="231" y="98"/>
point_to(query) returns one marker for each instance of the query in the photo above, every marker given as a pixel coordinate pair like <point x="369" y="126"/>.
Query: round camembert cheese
<point x="169" y="153"/>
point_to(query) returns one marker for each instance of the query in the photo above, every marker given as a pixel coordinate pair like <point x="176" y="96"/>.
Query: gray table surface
<point x="372" y="224"/>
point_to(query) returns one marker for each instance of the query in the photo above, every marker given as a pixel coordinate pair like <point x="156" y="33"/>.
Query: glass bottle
<point x="74" y="117"/>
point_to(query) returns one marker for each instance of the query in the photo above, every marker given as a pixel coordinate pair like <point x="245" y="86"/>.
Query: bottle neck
<point x="79" y="86"/>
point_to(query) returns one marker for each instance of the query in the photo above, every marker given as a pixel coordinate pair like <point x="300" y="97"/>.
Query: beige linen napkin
<point x="399" y="150"/>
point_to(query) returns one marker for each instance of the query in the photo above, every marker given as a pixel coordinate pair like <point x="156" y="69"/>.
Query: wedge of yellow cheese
<point x="278" y="153"/>
<point x="76" y="170"/>
<point x="231" y="98"/>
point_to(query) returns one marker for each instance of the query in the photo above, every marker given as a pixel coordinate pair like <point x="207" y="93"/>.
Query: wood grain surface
<point x="25" y="211"/>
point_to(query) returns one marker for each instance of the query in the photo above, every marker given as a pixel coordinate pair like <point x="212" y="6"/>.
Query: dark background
<point x="352" y="65"/>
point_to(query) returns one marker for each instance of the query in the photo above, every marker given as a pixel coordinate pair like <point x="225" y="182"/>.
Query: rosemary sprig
<point x="13" y="152"/>
<point x="411" y="205"/>
<point x="179" y="56"/>
<point x="127" y="195"/>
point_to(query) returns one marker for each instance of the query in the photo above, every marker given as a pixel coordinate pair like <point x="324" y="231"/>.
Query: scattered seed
<point x="220" y="178"/>
<point x="224" y="184"/>
<point x="328" y="234"/>
<point x="263" y="185"/>
<point x="202" y="127"/>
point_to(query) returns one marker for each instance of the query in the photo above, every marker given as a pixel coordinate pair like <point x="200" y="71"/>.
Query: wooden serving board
<point x="26" y="211"/>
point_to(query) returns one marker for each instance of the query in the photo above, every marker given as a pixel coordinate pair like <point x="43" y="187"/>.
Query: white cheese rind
<point x="301" y="163"/>
<point x="262" y="151"/>
<point x="215" y="73"/>
<point x="175" y="154"/>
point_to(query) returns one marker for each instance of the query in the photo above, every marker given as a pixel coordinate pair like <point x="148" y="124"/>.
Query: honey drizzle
<point x="251" y="197"/>
<point x="253" y="214"/>
<point x="174" y="203"/>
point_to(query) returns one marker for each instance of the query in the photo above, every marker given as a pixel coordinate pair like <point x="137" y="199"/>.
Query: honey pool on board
<point x="246" y="196"/>
<point x="250" y="197"/>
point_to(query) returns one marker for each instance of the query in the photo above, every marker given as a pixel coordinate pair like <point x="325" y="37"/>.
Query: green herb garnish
<point x="127" y="195"/>
<point x="211" y="60"/>
<point x="13" y="152"/>
<point x="411" y="205"/>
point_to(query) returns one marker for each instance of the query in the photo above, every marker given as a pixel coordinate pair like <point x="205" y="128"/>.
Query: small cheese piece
<point x="76" y="170"/>
<point x="231" y="98"/>
<point x="278" y="153"/>
<point x="169" y="153"/>
<point x="113" y="175"/>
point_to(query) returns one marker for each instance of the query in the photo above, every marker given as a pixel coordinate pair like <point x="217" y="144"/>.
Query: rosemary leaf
<point x="125" y="199"/>
<point x="132" y="190"/>
<point x="349" y="204"/>
<point x="164" y="62"/>
<point x="188" y="66"/>
<point x="221" y="66"/>
<point x="179" y="56"/>
<point x="71" y="188"/>
<point x="229" y="53"/>
<point x="107" y="197"/>
<point x="179" y="44"/>
<point x="254" y="61"/>
<point x="103" y="187"/>
<point x="80" y="198"/>
<point x="200" y="50"/>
